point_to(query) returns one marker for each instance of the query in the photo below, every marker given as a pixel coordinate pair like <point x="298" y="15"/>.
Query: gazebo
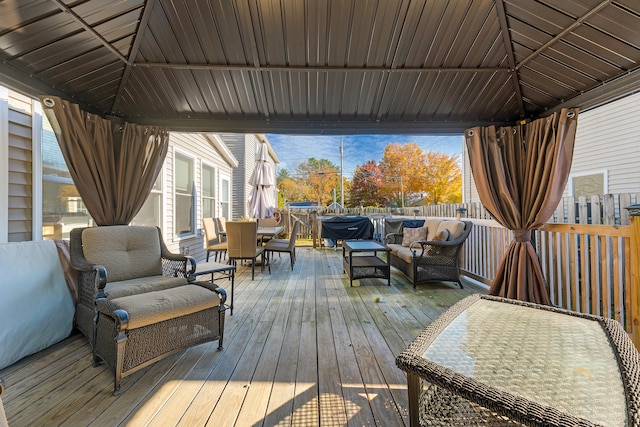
<point x="500" y="71"/>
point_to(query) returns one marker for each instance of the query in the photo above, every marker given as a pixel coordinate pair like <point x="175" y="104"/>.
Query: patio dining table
<point x="493" y="361"/>
<point x="263" y="232"/>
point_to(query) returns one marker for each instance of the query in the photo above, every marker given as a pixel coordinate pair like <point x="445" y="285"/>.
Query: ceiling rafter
<point x="564" y="32"/>
<point x="308" y="68"/>
<point x="135" y="47"/>
<point x="63" y="7"/>
<point x="508" y="48"/>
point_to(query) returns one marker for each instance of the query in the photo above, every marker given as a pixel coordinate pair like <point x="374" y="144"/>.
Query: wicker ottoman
<point x="135" y="331"/>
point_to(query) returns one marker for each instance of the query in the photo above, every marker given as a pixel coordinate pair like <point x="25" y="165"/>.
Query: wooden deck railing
<point x="588" y="267"/>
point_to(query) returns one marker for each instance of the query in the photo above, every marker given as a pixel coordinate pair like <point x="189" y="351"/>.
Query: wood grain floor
<point x="302" y="348"/>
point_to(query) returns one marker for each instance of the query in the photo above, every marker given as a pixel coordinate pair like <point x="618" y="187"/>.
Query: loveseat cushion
<point x="455" y="228"/>
<point x="411" y="235"/>
<point x="142" y="285"/>
<point x="154" y="307"/>
<point x="432" y="225"/>
<point x="126" y="251"/>
<point x="405" y="254"/>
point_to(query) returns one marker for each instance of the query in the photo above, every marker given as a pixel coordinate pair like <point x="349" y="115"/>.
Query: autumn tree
<point x="321" y="177"/>
<point x="366" y="186"/>
<point x="402" y="166"/>
<point x="443" y="178"/>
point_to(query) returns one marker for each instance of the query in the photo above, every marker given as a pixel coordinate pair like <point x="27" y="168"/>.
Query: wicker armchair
<point x="136" y="304"/>
<point x="428" y="261"/>
<point x="106" y="270"/>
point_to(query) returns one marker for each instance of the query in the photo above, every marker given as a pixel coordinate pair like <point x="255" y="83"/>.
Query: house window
<point x="151" y="211"/>
<point x="225" y="201"/>
<point x="589" y="184"/>
<point x="62" y="206"/>
<point x="208" y="191"/>
<point x="184" y="207"/>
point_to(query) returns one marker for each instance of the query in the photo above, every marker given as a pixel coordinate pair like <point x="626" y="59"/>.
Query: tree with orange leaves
<point x="403" y="168"/>
<point x="442" y="178"/>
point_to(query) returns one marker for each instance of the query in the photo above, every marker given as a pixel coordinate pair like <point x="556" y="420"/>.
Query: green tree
<point x="291" y="190"/>
<point x="320" y="177"/>
<point x="366" y="187"/>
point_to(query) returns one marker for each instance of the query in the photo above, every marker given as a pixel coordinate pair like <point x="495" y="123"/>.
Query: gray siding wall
<point x="17" y="168"/>
<point x="607" y="139"/>
<point x="243" y="147"/>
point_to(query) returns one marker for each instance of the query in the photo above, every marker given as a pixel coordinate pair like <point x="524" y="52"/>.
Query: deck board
<point x="302" y="348"/>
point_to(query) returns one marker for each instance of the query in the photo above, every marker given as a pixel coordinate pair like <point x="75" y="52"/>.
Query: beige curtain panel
<point x="113" y="165"/>
<point x="521" y="172"/>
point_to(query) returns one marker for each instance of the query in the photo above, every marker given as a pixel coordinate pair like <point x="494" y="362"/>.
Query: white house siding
<point x="607" y="139"/>
<point x="196" y="146"/>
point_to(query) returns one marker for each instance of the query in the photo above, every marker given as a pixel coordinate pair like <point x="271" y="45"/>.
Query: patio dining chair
<point x="242" y="244"/>
<point x="212" y="240"/>
<point x="266" y="222"/>
<point x="221" y="228"/>
<point x="285" y="245"/>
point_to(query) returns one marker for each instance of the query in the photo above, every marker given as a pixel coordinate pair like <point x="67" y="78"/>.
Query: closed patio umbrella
<point x="261" y="202"/>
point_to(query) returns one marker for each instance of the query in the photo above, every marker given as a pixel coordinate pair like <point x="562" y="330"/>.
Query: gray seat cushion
<point x="141" y="285"/>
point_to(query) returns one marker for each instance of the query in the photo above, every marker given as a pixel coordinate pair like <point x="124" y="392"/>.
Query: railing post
<point x="314" y="227"/>
<point x="460" y="213"/>
<point x="634" y="214"/>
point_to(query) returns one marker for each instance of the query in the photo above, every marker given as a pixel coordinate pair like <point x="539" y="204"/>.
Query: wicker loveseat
<point x="135" y="302"/>
<point x="429" y="251"/>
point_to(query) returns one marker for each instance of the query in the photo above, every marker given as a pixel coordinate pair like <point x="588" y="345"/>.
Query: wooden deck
<point x="302" y="348"/>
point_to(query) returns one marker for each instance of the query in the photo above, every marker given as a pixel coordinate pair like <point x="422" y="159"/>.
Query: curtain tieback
<point x="522" y="235"/>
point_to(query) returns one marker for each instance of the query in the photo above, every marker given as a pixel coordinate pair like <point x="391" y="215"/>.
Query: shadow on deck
<point x="302" y="348"/>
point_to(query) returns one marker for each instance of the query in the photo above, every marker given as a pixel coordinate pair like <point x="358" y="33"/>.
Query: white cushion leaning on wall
<point x="36" y="308"/>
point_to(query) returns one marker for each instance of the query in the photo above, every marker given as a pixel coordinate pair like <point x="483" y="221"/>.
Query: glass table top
<point x="550" y="358"/>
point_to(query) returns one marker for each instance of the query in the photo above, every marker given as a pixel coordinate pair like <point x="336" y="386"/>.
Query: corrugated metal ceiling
<point x="323" y="66"/>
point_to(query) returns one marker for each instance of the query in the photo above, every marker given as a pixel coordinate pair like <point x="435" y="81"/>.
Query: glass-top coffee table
<point x="492" y="361"/>
<point x="367" y="264"/>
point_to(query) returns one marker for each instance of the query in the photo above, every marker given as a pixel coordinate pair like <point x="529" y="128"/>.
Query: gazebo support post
<point x="634" y="214"/>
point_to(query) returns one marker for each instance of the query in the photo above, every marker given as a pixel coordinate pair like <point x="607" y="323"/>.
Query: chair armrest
<point x="217" y="289"/>
<point x="393" y="237"/>
<point x="92" y="276"/>
<point x="178" y="265"/>
<point x="174" y="264"/>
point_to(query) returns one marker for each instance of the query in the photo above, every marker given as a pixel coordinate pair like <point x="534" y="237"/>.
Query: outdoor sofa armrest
<point x="393" y="238"/>
<point x="90" y="275"/>
<point x="423" y="248"/>
<point x="174" y="264"/>
<point x="217" y="289"/>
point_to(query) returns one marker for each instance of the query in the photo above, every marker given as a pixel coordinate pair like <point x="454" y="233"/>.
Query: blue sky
<point x="358" y="149"/>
